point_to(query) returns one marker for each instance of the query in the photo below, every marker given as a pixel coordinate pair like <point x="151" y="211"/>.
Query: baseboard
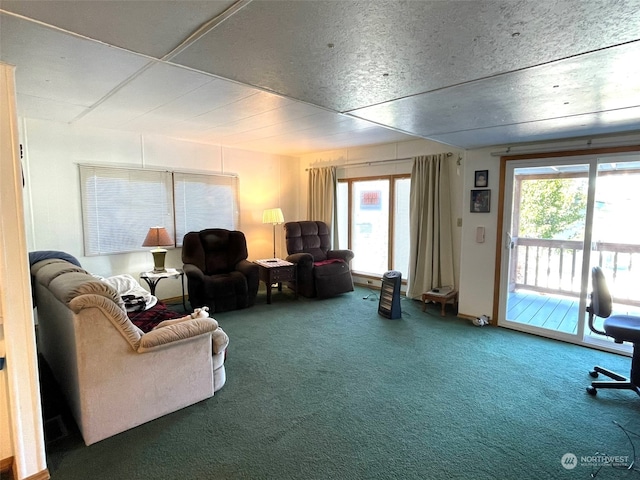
<point x="7" y="471"/>
<point x="43" y="475"/>
<point x="5" y="465"/>
<point x="472" y="318"/>
<point x="174" y="299"/>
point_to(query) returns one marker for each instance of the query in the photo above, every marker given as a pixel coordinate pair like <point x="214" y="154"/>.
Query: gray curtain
<point x="431" y="244"/>
<point x="322" y="198"/>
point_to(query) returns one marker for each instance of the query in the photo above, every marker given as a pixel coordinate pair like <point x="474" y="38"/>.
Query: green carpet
<point x="329" y="389"/>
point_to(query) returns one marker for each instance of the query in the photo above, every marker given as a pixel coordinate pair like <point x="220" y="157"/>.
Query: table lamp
<point x="275" y="217"/>
<point x="158" y="237"/>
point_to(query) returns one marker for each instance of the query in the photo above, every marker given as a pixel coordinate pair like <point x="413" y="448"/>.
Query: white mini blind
<point x="119" y="205"/>
<point x="204" y="201"/>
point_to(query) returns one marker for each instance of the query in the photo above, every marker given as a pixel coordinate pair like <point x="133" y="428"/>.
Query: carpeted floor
<point x="329" y="389"/>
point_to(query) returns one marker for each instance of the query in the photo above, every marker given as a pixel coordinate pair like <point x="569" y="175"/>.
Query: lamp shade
<point x="157" y="237"/>
<point x="272" y="215"/>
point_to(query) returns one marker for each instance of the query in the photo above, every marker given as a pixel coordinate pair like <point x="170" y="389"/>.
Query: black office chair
<point x="622" y="328"/>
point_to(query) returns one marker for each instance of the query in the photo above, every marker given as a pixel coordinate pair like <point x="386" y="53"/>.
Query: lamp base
<point x="158" y="260"/>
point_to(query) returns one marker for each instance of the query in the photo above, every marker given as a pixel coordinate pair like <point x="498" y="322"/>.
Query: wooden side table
<point x="152" y="278"/>
<point x="439" y="297"/>
<point x="276" y="270"/>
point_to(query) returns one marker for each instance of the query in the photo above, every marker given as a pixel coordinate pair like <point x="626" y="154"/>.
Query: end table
<point x="276" y="270"/>
<point x="152" y="278"/>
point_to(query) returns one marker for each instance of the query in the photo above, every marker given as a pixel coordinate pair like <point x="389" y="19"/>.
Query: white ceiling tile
<point x="150" y="27"/>
<point x="55" y="65"/>
<point x="602" y="123"/>
<point x="47" y="109"/>
<point x="336" y="54"/>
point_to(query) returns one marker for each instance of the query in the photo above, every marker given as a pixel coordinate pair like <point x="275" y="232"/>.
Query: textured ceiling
<point x="293" y="77"/>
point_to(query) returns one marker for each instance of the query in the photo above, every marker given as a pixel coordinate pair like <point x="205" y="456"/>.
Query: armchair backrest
<point x="214" y="250"/>
<point x="308" y="237"/>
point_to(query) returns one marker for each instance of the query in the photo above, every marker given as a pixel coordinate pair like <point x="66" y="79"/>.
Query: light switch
<point x="480" y="235"/>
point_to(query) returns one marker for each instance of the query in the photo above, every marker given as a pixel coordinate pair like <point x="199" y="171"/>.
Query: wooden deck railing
<point x="554" y="266"/>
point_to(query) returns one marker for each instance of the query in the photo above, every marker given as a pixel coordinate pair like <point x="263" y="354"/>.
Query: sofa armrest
<point x="219" y="341"/>
<point x="165" y="336"/>
<point x="302" y="260"/>
<point x="346" y="255"/>
<point x="192" y="272"/>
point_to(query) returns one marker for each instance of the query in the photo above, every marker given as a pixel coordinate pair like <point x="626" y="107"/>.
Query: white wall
<point x="345" y="158"/>
<point x="477" y="260"/>
<point x="52" y="192"/>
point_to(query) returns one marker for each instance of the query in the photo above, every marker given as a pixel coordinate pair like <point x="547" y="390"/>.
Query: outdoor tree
<point x="551" y="207"/>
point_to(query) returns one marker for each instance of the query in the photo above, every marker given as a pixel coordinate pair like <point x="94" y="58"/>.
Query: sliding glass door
<point x="560" y="217"/>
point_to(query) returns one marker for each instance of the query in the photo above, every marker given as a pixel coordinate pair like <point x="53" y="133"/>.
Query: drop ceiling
<point x="294" y="77"/>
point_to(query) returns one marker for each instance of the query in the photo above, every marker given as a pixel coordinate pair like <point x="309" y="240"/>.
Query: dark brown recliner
<point x="322" y="272"/>
<point x="219" y="275"/>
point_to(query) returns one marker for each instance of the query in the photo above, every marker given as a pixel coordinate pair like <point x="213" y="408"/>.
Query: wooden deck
<point x="554" y="312"/>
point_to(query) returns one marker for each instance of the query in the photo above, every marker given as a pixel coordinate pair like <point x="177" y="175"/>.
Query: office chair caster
<point x="592" y="391"/>
<point x="593" y="373"/>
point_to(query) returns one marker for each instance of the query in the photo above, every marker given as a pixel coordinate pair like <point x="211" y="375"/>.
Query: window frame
<point x="391" y="213"/>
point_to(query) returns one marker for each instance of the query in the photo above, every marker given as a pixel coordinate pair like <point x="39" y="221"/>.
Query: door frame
<point x="500" y="228"/>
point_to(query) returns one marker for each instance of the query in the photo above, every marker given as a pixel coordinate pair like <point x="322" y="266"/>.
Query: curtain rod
<point x="373" y="162"/>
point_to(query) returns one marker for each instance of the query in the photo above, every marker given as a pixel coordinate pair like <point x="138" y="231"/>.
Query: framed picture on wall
<point x="482" y="179"/>
<point x="480" y="201"/>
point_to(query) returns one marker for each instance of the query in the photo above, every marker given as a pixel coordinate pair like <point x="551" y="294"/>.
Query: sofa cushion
<point x="73" y="284"/>
<point x="47" y="270"/>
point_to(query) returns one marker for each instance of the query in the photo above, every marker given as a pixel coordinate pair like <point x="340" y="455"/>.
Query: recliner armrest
<point x="247" y="268"/>
<point x="193" y="272"/>
<point x="346" y="255"/>
<point x="303" y="260"/>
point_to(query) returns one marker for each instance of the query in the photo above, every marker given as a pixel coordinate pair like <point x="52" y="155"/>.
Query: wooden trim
<point x="499" y="244"/>
<point x="6" y="469"/>
<point x="5" y="465"/>
<point x="572" y="153"/>
<point x="43" y="475"/>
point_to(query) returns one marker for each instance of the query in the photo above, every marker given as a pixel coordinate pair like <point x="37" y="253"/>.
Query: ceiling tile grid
<point x="294" y="76"/>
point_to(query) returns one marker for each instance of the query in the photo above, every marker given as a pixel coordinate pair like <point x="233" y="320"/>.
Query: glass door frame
<point x="503" y="245"/>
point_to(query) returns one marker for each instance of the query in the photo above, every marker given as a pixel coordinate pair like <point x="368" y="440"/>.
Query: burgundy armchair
<point x="322" y="272"/>
<point x="218" y="273"/>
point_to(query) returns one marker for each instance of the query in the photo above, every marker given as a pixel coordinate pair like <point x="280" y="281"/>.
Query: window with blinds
<point x="204" y="201"/>
<point x="119" y="205"/>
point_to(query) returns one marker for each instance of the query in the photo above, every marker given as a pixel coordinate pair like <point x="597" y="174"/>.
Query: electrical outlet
<point x="459" y="222"/>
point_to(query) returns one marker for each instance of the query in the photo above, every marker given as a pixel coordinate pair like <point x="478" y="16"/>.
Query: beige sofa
<point x="113" y="375"/>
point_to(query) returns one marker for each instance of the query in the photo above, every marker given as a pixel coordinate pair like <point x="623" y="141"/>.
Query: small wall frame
<point x="480" y="201"/>
<point x="481" y="179"/>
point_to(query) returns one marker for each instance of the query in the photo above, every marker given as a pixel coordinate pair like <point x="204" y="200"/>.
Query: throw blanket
<point x="148" y="319"/>
<point x="35" y="257"/>
<point x="328" y="261"/>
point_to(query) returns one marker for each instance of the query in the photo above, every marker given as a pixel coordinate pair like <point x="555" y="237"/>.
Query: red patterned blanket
<point x="148" y="319"/>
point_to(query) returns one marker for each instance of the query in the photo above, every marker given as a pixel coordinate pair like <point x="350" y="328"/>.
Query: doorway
<point x="560" y="217"/>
